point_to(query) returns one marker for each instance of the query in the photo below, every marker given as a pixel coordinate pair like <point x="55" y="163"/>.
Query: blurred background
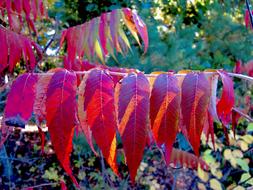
<point x="183" y="34"/>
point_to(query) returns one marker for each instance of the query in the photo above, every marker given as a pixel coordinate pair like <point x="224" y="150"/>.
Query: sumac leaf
<point x="103" y="35"/>
<point x="61" y="115"/>
<point x="100" y="113"/>
<point x="142" y="30"/>
<point x="133" y="109"/>
<point x="20" y="100"/>
<point x="194" y="105"/>
<point x="19" y="47"/>
<point x="82" y="115"/>
<point x="227" y="100"/>
<point x="187" y="159"/>
<point x="39" y="107"/>
<point x="31" y="10"/>
<point x="165" y="110"/>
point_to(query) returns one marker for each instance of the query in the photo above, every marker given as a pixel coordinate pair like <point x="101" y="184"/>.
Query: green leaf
<point x="243" y="164"/>
<point x="244" y="177"/>
<point x="215" y="184"/>
<point x="250" y="127"/>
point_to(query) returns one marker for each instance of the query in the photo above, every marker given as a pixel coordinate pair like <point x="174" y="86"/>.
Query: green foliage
<point x="197" y="35"/>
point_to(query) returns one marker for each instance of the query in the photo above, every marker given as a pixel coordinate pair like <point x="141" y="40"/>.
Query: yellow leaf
<point x="202" y="174"/>
<point x="239" y="188"/>
<point x="215" y="184"/>
<point x="227" y="154"/>
<point x="247" y="138"/>
<point x="233" y="162"/>
<point x="216" y="172"/>
<point x="99" y="51"/>
<point x="243" y="145"/>
<point x="158" y="72"/>
<point x="219" y="174"/>
<point x="184" y="71"/>
<point x="201" y="186"/>
<point x="232" y="141"/>
<point x="231" y="187"/>
<point x="237" y="153"/>
<point x="210" y="70"/>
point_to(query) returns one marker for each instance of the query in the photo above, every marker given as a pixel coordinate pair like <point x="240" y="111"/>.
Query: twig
<point x="244" y="77"/>
<point x="53" y="38"/>
<point x="243" y="114"/>
<point x="6" y="164"/>
<point x="20" y="160"/>
<point x="104" y="173"/>
<point x="174" y="186"/>
<point x="250" y="13"/>
<point x="41" y="185"/>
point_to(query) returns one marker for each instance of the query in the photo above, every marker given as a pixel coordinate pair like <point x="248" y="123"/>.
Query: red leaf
<point x="63" y="185"/>
<point x="238" y="67"/>
<point x="20" y="100"/>
<point x="195" y="101"/>
<point x="187" y="159"/>
<point x="128" y="20"/>
<point x="100" y="113"/>
<point x="165" y="110"/>
<point x="133" y="110"/>
<point x="16" y="51"/>
<point x="102" y="32"/>
<point x="114" y="26"/>
<point x="42" y="138"/>
<point x="247" y="19"/>
<point x="83" y="115"/>
<point x="20" y="46"/>
<point x="248" y="68"/>
<point x="209" y="129"/>
<point x="61" y="116"/>
<point x="4" y="50"/>
<point x="227" y="100"/>
<point x="142" y="30"/>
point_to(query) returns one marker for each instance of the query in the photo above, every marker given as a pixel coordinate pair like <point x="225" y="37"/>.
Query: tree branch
<point x="243" y="114"/>
<point x="241" y="76"/>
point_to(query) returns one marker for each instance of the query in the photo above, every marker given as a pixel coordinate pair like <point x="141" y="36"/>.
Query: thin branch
<point x="244" y="77"/>
<point x="53" y="37"/>
<point x="41" y="185"/>
<point x="28" y="161"/>
<point x="243" y="114"/>
<point x="250" y="13"/>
